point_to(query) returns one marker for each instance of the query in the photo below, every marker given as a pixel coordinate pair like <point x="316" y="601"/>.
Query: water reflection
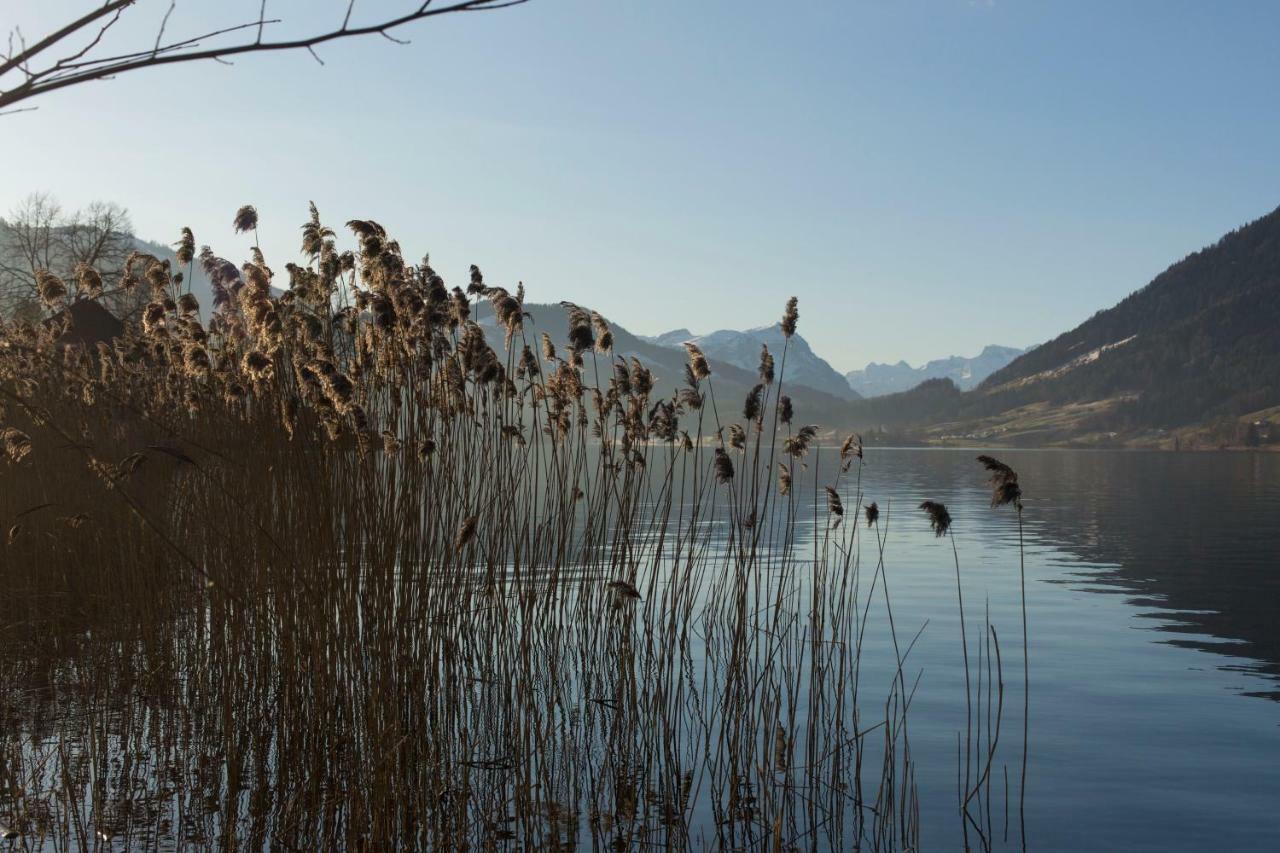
<point x="1191" y="539"/>
<point x="183" y="730"/>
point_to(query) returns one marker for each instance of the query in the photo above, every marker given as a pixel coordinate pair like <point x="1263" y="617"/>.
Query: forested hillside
<point x="1199" y="344"/>
<point x="1201" y="340"/>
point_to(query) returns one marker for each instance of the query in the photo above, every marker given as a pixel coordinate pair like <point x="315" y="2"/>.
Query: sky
<point x="927" y="177"/>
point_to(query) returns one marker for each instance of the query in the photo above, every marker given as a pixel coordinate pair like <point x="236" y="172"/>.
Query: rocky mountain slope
<point x="742" y="349"/>
<point x="878" y="379"/>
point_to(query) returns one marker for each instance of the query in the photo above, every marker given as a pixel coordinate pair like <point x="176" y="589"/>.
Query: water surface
<point x="1154" y="620"/>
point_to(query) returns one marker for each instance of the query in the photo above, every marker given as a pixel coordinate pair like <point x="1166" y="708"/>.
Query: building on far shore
<point x="90" y="324"/>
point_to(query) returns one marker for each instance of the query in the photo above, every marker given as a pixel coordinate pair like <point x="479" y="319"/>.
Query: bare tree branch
<point x="61" y="35"/>
<point x="77" y="64"/>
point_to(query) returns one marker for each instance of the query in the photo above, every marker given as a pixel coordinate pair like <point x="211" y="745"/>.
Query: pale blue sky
<point x="927" y="177"/>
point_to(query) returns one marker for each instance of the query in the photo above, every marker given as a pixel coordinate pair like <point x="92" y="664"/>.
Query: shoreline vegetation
<point x="333" y="571"/>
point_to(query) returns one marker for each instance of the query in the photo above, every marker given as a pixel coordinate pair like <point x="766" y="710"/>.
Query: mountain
<point x="742" y="350"/>
<point x="1195" y="354"/>
<point x="729" y="382"/>
<point x="877" y="379"/>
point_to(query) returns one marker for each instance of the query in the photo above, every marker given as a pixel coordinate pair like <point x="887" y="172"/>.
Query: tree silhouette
<point x="76" y="52"/>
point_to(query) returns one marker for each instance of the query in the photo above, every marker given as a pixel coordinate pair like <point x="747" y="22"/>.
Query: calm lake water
<point x="1153" y="584"/>
<point x="1154" y="610"/>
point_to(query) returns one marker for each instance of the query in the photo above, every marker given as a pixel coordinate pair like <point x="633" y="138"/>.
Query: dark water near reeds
<point x="1154" y="611"/>
<point x="1154" y="599"/>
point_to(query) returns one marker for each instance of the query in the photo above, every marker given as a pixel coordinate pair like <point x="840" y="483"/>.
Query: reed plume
<point x="88" y="280"/>
<point x="697" y="361"/>
<point x="51" y="289"/>
<point x="466" y="532"/>
<point x="1004" y="483"/>
<point x="786" y="411"/>
<point x="789" y="318"/>
<point x="723" y="466"/>
<point x="766" y="365"/>
<point x="939" y="518"/>
<point x="246" y="219"/>
<point x="185" y="248"/>
<point x="834" y="505"/>
<point x="17" y="444"/>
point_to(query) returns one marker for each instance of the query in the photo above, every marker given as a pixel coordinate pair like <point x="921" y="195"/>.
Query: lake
<point x="1154" y="610"/>
<point x="1154" y="620"/>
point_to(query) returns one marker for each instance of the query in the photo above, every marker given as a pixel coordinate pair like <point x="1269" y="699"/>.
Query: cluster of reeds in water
<point x="344" y="567"/>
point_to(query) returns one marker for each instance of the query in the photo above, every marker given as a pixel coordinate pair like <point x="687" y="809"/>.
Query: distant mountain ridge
<point x="731" y="382"/>
<point x="876" y="379"/>
<point x="742" y="350"/>
<point x="1197" y="346"/>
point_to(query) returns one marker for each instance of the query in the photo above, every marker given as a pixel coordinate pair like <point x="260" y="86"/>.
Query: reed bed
<point x="346" y="568"/>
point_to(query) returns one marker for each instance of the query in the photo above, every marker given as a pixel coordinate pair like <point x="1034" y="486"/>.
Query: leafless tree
<point x="78" y="52"/>
<point x="38" y="235"/>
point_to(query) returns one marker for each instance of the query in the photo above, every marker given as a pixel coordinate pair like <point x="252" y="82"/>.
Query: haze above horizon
<point x="927" y="177"/>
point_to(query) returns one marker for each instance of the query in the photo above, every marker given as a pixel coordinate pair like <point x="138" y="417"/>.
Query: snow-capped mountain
<point x="876" y="379"/>
<point x="742" y="349"/>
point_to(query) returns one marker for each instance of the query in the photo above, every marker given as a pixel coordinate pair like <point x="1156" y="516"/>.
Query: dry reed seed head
<point x="604" y="335"/>
<point x="185" y="248"/>
<point x="246" y="219"/>
<point x="766" y="365"/>
<point x="796" y="446"/>
<point x="834" y="505"/>
<point x="258" y="280"/>
<point x="548" y="348"/>
<point x="723" y="466"/>
<point x="257" y="366"/>
<point x="789" y="317"/>
<point x="1008" y="492"/>
<point x="514" y="433"/>
<point x="459" y="308"/>
<point x="315" y="237"/>
<point x="51" y="289"/>
<point x="784" y="479"/>
<point x="508" y="312"/>
<point x="188" y="304"/>
<point x="1004" y="483"/>
<point x="476" y="283"/>
<point x="737" y="437"/>
<point x="785" y="410"/>
<point x="624" y="590"/>
<point x="852" y="447"/>
<point x="390" y="444"/>
<point x="686" y="443"/>
<point x="581" y="338"/>
<point x="89" y="280"/>
<point x="939" y="518"/>
<point x="466" y="532"/>
<point x="17" y="444"/>
<point x="873" y="513"/>
<point x="698" y="363"/>
<point x="157" y="275"/>
<point x="752" y="407"/>
<point x="152" y="317"/>
<point x="641" y="378"/>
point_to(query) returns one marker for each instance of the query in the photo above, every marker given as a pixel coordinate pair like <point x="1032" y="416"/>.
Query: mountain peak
<point x="742" y="349"/>
<point x="876" y="380"/>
